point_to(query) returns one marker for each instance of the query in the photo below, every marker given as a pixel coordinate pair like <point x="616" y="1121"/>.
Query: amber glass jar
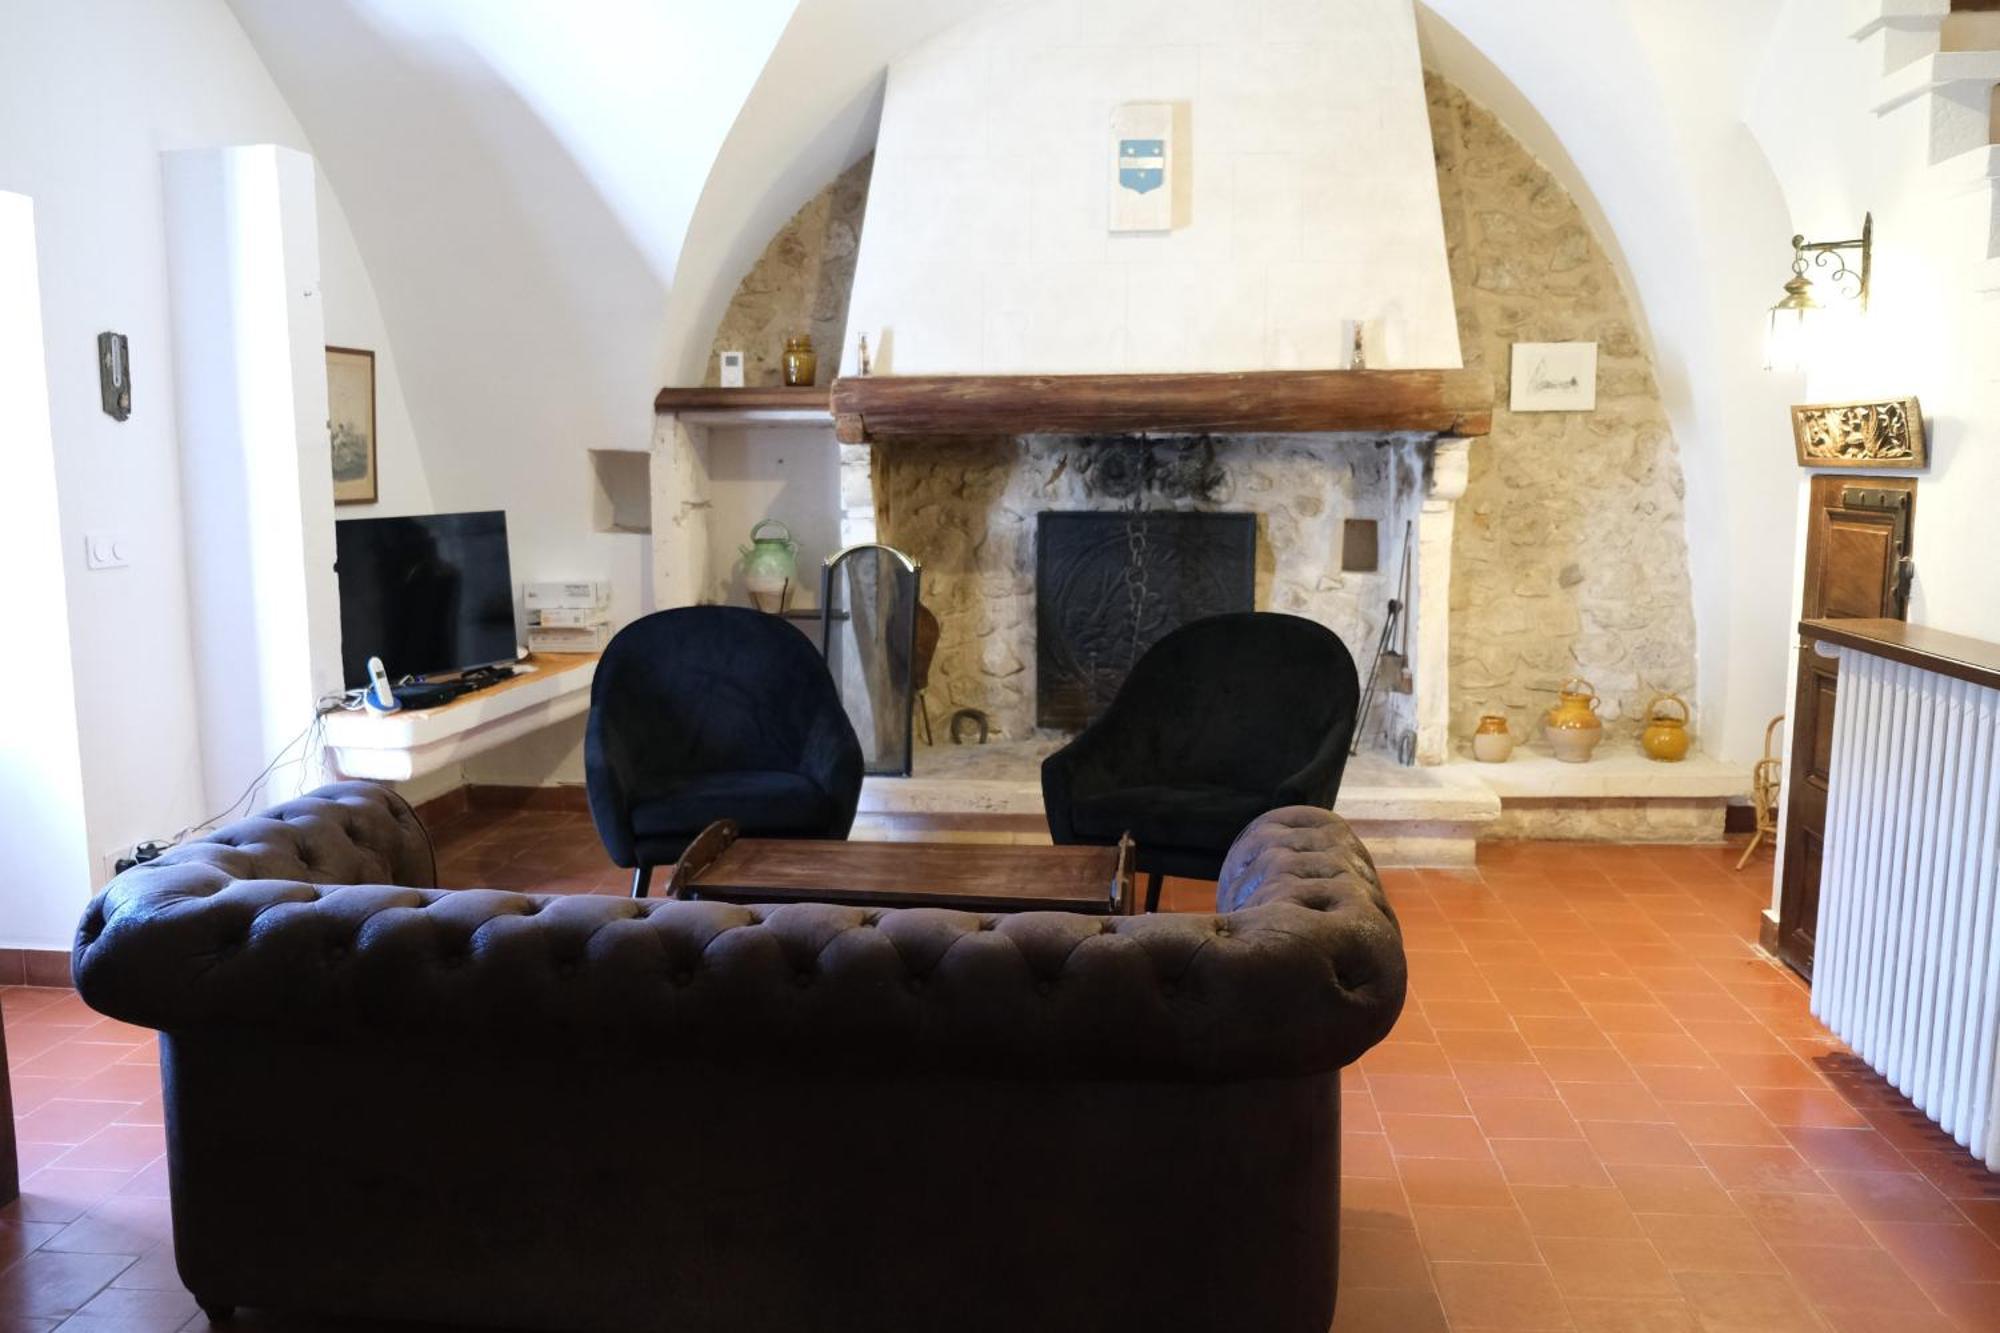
<point x="801" y="362"/>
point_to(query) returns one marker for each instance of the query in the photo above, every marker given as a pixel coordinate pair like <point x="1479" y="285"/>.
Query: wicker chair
<point x="1765" y="782"/>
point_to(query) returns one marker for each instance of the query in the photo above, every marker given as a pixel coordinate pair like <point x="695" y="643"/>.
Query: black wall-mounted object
<point x="114" y="376"/>
<point x="1109" y="584"/>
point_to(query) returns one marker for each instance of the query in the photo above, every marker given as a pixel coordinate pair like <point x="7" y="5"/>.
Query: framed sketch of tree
<point x="1871" y="434"/>
<point x="350" y="422"/>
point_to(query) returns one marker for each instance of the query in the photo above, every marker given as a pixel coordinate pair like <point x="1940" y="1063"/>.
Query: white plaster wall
<point x="1303" y="148"/>
<point x="48" y="876"/>
<point x="91" y="93"/>
<point x="1929" y="330"/>
<point x="353" y="318"/>
<point x="256" y="491"/>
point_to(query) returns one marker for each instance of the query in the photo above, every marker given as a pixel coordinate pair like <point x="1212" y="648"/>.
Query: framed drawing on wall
<point x="1554" y="377"/>
<point x="350" y="421"/>
<point x="1873" y="434"/>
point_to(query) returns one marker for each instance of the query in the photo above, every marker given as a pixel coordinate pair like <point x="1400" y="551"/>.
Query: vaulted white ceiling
<point x="555" y="201"/>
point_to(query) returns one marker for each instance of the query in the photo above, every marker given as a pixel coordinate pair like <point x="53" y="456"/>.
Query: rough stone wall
<point x="800" y="284"/>
<point x="1570" y="556"/>
<point x="967" y="509"/>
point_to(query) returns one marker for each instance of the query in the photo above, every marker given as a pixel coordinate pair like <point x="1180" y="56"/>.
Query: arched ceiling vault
<point x="555" y="203"/>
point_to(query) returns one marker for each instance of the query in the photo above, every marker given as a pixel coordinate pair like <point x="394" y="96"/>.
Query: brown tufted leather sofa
<point x="598" y="1113"/>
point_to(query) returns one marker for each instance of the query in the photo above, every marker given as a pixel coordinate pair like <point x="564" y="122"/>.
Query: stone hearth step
<point x="1406" y="816"/>
<point x="1619" y="796"/>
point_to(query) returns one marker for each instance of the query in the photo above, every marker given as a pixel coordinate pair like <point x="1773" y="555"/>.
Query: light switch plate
<point x="101" y="550"/>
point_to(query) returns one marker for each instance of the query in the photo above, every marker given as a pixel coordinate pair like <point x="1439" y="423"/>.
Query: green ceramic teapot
<point x="770" y="566"/>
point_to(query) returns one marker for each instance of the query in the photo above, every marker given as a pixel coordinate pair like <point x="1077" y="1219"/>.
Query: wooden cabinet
<point x="1857" y="567"/>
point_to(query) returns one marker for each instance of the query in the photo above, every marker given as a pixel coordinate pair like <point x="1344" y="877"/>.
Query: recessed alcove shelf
<point x="622" y="497"/>
<point x="722" y="462"/>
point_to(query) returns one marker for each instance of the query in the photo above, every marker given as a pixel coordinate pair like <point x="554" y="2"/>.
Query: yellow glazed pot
<point x="1666" y="738"/>
<point x="801" y="362"/>
<point x="1492" y="742"/>
<point x="1572" y="725"/>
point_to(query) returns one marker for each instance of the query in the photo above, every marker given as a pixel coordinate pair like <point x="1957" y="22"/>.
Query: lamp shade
<point x="1792" y="333"/>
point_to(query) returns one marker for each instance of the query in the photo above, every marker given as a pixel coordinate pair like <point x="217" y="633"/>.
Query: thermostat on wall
<point x="732" y="369"/>
<point x="114" y="375"/>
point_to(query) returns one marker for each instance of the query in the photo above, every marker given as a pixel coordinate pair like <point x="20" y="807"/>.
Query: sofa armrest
<point x="157" y="930"/>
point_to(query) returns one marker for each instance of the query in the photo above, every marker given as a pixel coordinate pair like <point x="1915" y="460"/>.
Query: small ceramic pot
<point x="1492" y="742"/>
<point x="1572" y="726"/>
<point x="1666" y="738"/>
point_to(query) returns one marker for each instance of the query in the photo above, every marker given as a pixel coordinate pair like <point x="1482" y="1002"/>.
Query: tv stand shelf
<point x="399" y="746"/>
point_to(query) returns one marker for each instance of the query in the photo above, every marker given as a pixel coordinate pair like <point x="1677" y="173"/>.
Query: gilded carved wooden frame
<point x="1870" y="433"/>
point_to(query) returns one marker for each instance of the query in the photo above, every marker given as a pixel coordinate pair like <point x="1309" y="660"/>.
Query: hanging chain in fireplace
<point x="1136" y="565"/>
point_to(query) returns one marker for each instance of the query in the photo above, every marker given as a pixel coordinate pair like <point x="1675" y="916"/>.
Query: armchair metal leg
<point x="1153" y="878"/>
<point x="642" y="878"/>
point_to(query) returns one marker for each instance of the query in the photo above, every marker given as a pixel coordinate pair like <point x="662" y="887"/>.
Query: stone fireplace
<point x="969" y="509"/>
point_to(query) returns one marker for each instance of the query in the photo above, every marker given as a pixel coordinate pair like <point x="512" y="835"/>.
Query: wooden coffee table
<point x="970" y="877"/>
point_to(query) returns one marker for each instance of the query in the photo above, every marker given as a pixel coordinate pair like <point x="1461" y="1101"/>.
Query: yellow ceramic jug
<point x="1572" y="725"/>
<point x="1666" y="738"/>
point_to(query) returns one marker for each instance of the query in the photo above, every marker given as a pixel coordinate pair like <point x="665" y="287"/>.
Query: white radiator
<point x="1906" y="961"/>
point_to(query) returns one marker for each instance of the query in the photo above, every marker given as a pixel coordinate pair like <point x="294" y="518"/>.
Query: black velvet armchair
<point x="715" y="712"/>
<point x="1220" y="721"/>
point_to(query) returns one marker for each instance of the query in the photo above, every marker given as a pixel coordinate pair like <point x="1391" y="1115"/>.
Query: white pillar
<point x="680" y="512"/>
<point x="256" y="462"/>
<point x="857" y="494"/>
<point x="1444" y="483"/>
<point x="49" y="870"/>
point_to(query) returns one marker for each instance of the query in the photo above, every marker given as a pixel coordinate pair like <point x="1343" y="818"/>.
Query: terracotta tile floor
<point x="1602" y="1110"/>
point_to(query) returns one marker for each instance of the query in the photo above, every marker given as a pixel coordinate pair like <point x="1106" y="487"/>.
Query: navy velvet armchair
<point x="1220" y="721"/>
<point x="715" y="712"/>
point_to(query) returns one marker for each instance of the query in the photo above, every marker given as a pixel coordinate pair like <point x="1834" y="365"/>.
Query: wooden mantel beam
<point x="1438" y="402"/>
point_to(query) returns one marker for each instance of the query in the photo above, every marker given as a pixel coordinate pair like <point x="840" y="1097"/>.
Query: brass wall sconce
<point x="1792" y="334"/>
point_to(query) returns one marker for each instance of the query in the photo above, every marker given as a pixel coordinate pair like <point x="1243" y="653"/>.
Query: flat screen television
<point x="427" y="595"/>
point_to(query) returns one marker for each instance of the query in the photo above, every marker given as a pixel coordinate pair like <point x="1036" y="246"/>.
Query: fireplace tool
<point x="1396" y="662"/>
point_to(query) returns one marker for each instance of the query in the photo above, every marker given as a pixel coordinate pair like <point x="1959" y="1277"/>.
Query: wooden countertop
<point x="1919" y="646"/>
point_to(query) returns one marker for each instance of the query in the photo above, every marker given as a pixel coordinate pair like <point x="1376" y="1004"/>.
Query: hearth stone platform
<point x="1416" y="816"/>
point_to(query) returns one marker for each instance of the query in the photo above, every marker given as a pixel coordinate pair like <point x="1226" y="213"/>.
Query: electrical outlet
<point x="107" y="867"/>
<point x="102" y="550"/>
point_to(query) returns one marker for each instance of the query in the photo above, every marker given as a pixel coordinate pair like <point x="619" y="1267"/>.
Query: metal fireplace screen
<point x="1109" y="585"/>
<point x="868" y="621"/>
